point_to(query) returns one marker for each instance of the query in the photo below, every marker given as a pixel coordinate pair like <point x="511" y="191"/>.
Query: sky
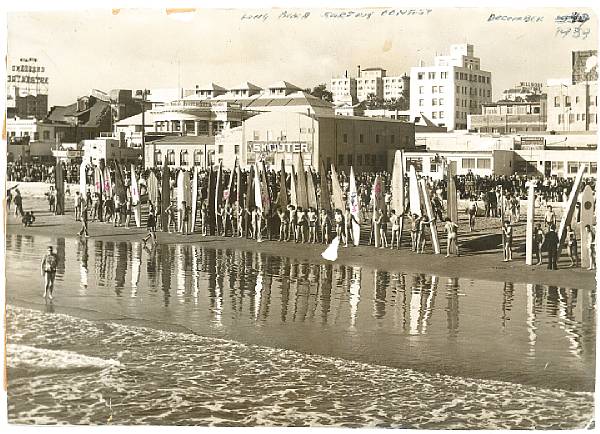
<point x="148" y="48"/>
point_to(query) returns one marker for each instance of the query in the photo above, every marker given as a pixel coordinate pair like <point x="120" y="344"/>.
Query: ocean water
<point x="190" y="334"/>
<point x="67" y="370"/>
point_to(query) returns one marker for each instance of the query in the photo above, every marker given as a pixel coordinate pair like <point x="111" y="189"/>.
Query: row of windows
<point x="431" y="75"/>
<point x="576" y="117"/>
<point x="184" y="156"/>
<point x="467" y="163"/>
<point x="366" y="159"/>
<point x="378" y="138"/>
<point x="473" y="77"/>
<point x="567" y="99"/>
<point x="434" y="89"/>
<point x="434" y="101"/>
<point x="36" y="135"/>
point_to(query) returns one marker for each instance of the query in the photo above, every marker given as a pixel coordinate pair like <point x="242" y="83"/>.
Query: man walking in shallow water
<point x="49" y="265"/>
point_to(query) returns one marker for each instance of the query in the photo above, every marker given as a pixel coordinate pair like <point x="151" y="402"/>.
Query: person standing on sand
<point x="507" y="234"/>
<point x="452" y="243"/>
<point x="18" y="200"/>
<point x="572" y="246"/>
<point x="538" y="240"/>
<point x="83" y="216"/>
<point x="591" y="246"/>
<point x="472" y="212"/>
<point x="49" y="265"/>
<point x="551" y="243"/>
<point x="151" y="225"/>
<point x="549" y="217"/>
<point x="9" y="198"/>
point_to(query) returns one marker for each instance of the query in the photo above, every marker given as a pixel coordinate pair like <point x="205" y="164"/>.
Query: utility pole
<point x="143" y="93"/>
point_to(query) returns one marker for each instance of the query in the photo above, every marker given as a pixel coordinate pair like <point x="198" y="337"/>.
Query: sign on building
<point x="533" y="143"/>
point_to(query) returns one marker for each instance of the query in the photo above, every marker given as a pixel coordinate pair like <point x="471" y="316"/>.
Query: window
<point x="197" y="157"/>
<point x="442" y="114"/>
<point x="433" y="165"/>
<point x="392" y="139"/>
<point x="421" y="89"/>
<point x="340" y="159"/>
<point x="345" y="138"/>
<point x="220" y="149"/>
<point x="576" y="99"/>
<point x="171" y="157"/>
<point x="421" y="102"/>
<point x="46" y="135"/>
<point x="36" y="135"/>
<point x="376" y="138"/>
<point x="556" y="101"/>
<point x="557" y="166"/>
<point x="484" y="163"/>
<point x="560" y="119"/>
<point x="359" y="160"/>
<point x="572" y="167"/>
<point x="431" y="75"/>
<point x="236" y="149"/>
<point x="441" y="101"/>
<point x="434" y="89"/>
<point x="157" y="158"/>
<point x="183" y="158"/>
<point x="433" y="115"/>
<point x="441" y="89"/>
<point x="434" y="101"/>
<point x="457" y="89"/>
<point x="349" y="159"/>
<point x="415" y="161"/>
<point x="420" y="75"/>
<point x="567" y="101"/>
<point x="443" y="75"/>
<point x="256" y="135"/>
<point x="360" y="138"/>
<point x="593" y="167"/>
<point x="468" y="163"/>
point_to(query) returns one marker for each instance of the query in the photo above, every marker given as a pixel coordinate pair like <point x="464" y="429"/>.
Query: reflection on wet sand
<point x="236" y="287"/>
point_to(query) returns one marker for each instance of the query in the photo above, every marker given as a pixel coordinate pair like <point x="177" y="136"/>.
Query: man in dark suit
<point x="551" y="242"/>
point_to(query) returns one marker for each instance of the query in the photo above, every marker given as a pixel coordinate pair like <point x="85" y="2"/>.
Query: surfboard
<point x="413" y="191"/>
<point x="569" y="209"/>
<point x="108" y="187"/>
<point x="452" y="199"/>
<point x="398" y="199"/>
<point x="153" y="189"/>
<point x="194" y="188"/>
<point x="180" y="195"/>
<point x="530" y="218"/>
<point x="258" y="203"/>
<point x="429" y="209"/>
<point x="378" y="204"/>
<point x="82" y="180"/>
<point x="99" y="188"/>
<point x="120" y="190"/>
<point x="264" y="189"/>
<point x="336" y="190"/>
<point x="249" y="197"/>
<point x="212" y="179"/>
<point x="324" y="197"/>
<point x="587" y="218"/>
<point x="59" y="178"/>
<point x="311" y="189"/>
<point x="135" y="198"/>
<point x="353" y="204"/>
<point x="301" y="187"/>
<point x="293" y="189"/>
<point x="218" y="196"/>
<point x="165" y="196"/>
<point x="238" y="185"/>
<point x="282" y="198"/>
<point x="229" y="192"/>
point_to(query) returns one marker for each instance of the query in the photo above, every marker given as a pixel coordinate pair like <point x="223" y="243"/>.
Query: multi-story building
<point x="396" y="87"/>
<point x="26" y="89"/>
<point x="370" y="83"/>
<point x="572" y="107"/>
<point x="450" y="90"/>
<point x="343" y="90"/>
<point x="524" y="91"/>
<point x="584" y="66"/>
<point x="506" y="117"/>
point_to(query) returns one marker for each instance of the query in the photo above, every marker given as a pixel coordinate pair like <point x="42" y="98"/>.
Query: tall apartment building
<point x="343" y="90"/>
<point x="450" y="90"/>
<point x="573" y="102"/>
<point x="396" y="87"/>
<point x="370" y="82"/>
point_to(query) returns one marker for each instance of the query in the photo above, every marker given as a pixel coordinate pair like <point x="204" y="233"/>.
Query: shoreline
<point x="481" y="254"/>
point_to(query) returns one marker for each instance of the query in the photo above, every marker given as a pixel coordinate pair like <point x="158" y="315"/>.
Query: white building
<point x="109" y="148"/>
<point x="451" y="89"/>
<point x="343" y="90"/>
<point x="572" y="107"/>
<point x="370" y="82"/>
<point x="396" y="87"/>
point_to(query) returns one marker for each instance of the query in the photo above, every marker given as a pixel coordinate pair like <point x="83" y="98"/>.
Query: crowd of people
<point x="240" y="217"/>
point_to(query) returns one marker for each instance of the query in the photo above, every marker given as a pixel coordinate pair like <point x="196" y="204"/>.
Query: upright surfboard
<point x="530" y="218"/>
<point x="569" y="209"/>
<point x="398" y="199"/>
<point x="120" y="190"/>
<point x="429" y="209"/>
<point x="452" y="199"/>
<point x="180" y="195"/>
<point x="135" y="198"/>
<point x="301" y="187"/>
<point x="336" y="191"/>
<point x="249" y="197"/>
<point x="108" y="186"/>
<point x="59" y="178"/>
<point x="378" y="202"/>
<point x="218" y="192"/>
<point x="258" y="203"/>
<point x="413" y="191"/>
<point x="282" y="198"/>
<point x="165" y="196"/>
<point x="212" y="180"/>
<point x="82" y="180"/>
<point x="229" y="191"/>
<point x="194" y="200"/>
<point x="153" y="189"/>
<point x="264" y="189"/>
<point x="99" y="188"/>
<point x="293" y="189"/>
<point x="324" y="198"/>
<point x="353" y="204"/>
<point x="312" y="190"/>
<point x="587" y="218"/>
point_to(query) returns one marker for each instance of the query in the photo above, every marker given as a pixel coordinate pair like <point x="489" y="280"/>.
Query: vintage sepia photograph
<point x="325" y="216"/>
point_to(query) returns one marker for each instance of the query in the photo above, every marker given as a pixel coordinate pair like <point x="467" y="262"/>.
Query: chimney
<point x="358" y="71"/>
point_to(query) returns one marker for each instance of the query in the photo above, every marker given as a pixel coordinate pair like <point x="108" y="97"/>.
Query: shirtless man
<point x="49" y="266"/>
<point x="452" y="231"/>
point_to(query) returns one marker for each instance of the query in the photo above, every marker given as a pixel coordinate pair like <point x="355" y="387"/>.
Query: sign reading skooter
<point x="273" y="151"/>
